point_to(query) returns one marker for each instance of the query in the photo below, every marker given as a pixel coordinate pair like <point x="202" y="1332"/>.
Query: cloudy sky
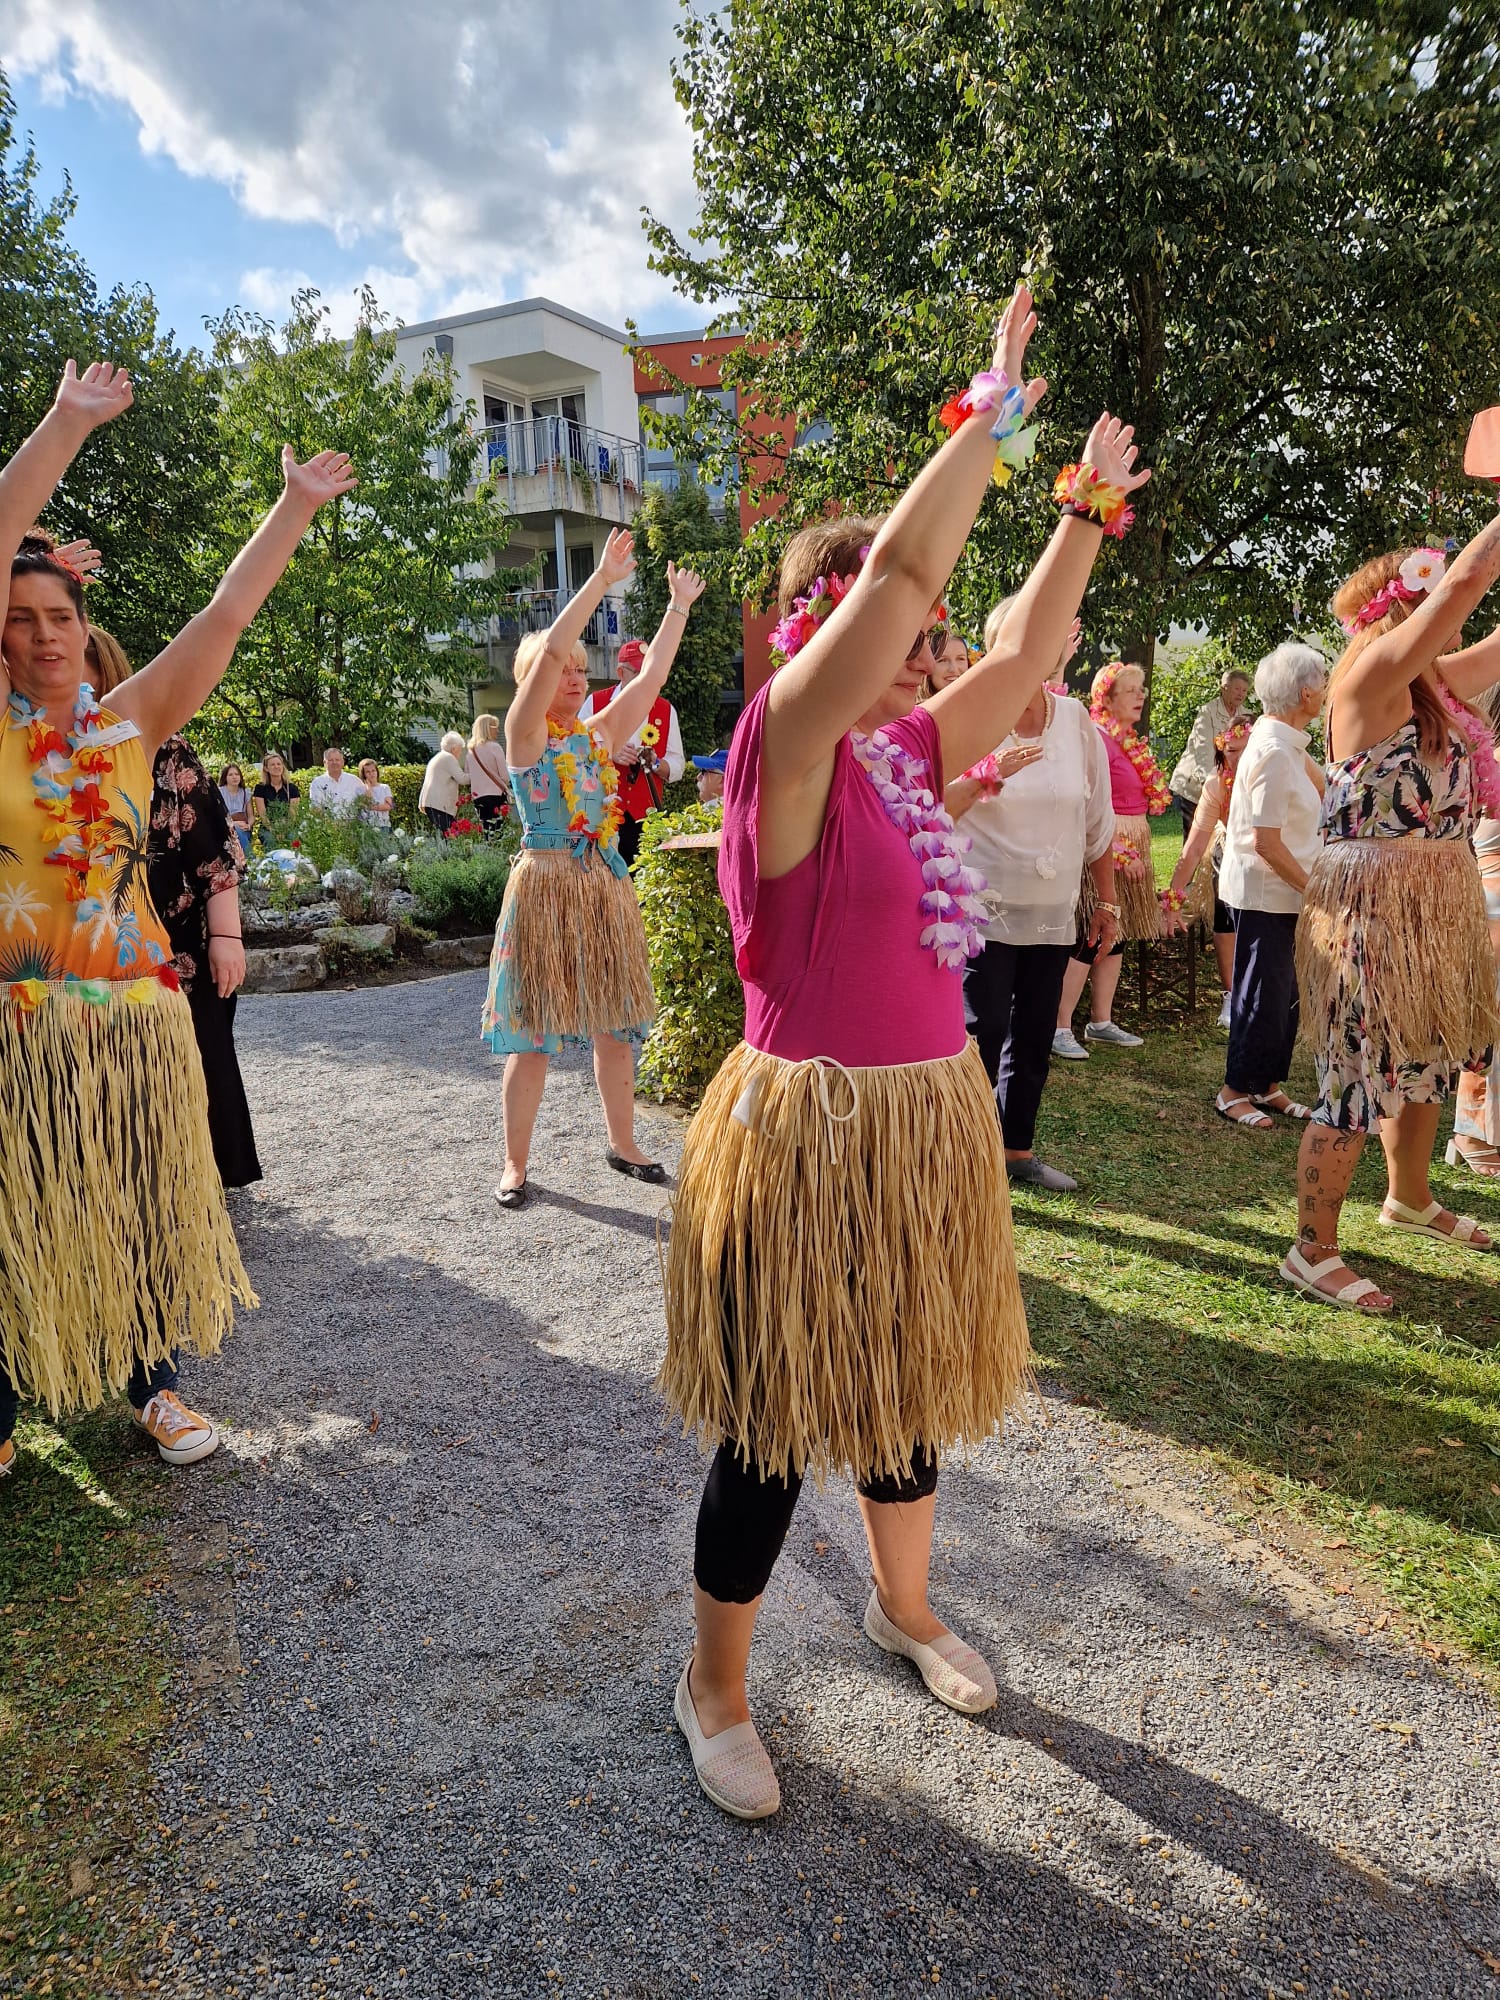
<point x="453" y="155"/>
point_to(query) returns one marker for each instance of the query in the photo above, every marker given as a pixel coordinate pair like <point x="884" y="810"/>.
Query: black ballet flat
<point x="637" y="1170"/>
<point x="516" y="1197"/>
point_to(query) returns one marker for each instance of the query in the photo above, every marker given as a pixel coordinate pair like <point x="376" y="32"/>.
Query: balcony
<point x="533" y="611"/>
<point x="550" y="465"/>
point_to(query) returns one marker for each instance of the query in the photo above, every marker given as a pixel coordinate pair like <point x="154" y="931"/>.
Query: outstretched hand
<point x="1112" y="453"/>
<point x="684" y="586"/>
<point x="101" y="392"/>
<point x="617" y="563"/>
<point x="1071" y="644"/>
<point x="322" y="478"/>
<point x="80" y="556"/>
<point x="1012" y="336"/>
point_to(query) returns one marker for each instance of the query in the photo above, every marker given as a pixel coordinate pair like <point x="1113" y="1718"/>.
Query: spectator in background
<point x="442" y="782"/>
<point x="378" y="801"/>
<point x="710" y="771"/>
<point x="489" y="777"/>
<point x="1196" y="764"/>
<point x="236" y="796"/>
<point x="334" y="789"/>
<point x="652" y="758"/>
<point x="952" y="660"/>
<point x="275" y="792"/>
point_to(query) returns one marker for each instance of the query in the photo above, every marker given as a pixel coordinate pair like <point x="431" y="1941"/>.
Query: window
<point x="662" y="468"/>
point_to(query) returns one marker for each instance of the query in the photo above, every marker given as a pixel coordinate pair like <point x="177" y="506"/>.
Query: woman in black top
<point x="275" y="792"/>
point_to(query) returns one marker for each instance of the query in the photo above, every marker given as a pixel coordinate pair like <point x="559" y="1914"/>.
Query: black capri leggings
<point x="743" y="1519"/>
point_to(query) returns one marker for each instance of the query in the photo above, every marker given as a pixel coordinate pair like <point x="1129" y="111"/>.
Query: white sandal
<point x="1255" y="1120"/>
<point x="1291" y="1109"/>
<point x="1419" y="1222"/>
<point x="1307" y="1278"/>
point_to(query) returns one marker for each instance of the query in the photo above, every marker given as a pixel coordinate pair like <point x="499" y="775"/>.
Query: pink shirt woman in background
<point x="1138" y="793"/>
<point x="816" y="1319"/>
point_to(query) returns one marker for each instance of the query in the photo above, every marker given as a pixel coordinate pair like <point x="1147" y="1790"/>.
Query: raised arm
<point x="857" y="652"/>
<point x="632" y="704"/>
<point x="83" y="402"/>
<point x="526" y="718"/>
<point x="169" y="692"/>
<point x="982" y="706"/>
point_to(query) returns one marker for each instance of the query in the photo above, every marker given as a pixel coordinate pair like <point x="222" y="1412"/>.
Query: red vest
<point x="635" y="787"/>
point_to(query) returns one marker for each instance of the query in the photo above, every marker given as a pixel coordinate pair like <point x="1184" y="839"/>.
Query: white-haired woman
<point x="1271" y="841"/>
<point x="442" y="782"/>
<point x="569" y="962"/>
<point x="489" y="781"/>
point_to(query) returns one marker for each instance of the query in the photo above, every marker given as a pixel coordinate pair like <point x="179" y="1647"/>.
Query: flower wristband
<point x="991" y="394"/>
<point x="1079" y="490"/>
<point x="1172" y="900"/>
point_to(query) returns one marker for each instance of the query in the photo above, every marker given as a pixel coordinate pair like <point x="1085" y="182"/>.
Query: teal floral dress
<point x="569" y="960"/>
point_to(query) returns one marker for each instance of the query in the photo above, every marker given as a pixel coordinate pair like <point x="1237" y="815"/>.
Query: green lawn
<point x="1153" y="1291"/>
<point x="83" y="1685"/>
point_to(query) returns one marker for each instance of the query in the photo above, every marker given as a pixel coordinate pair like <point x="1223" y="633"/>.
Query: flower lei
<point x="991" y="393"/>
<point x="603" y="775"/>
<point x="1422" y="571"/>
<point x="1135" y="746"/>
<point x="792" y="633"/>
<point x="68" y="779"/>
<point x="1481" y="741"/>
<point x="1078" y="489"/>
<point x="952" y="891"/>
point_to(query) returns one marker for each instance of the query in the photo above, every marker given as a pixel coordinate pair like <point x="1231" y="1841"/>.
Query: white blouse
<point x="1271" y="789"/>
<point x="1034" y="838"/>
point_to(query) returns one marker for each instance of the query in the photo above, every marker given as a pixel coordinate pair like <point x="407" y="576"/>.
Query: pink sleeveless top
<point x="829" y="953"/>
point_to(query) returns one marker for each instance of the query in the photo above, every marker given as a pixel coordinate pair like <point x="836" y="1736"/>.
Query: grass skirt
<point x="1140" y="912"/>
<point x="116" y="1242"/>
<point x="1392" y="948"/>
<point x="841" y="1283"/>
<point x="569" y="960"/>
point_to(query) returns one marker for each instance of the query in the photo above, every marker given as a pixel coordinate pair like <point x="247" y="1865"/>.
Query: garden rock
<point x="366" y="937"/>
<point x="311" y="918"/>
<point x="288" y="968"/>
<point x="456" y="952"/>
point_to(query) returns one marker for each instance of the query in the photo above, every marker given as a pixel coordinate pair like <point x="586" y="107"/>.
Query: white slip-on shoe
<point x="952" y="1669"/>
<point x="732" y="1767"/>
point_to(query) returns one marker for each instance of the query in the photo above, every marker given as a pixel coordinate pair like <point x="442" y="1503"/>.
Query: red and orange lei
<point x="1135" y="746"/>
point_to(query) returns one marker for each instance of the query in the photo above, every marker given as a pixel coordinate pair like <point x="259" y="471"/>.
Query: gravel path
<point x="453" y="1532"/>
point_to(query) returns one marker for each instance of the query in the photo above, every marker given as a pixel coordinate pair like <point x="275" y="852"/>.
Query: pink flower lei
<point x="1135" y="746"/>
<point x="952" y="891"/>
<point x="806" y="615"/>
<point x="1481" y="741"/>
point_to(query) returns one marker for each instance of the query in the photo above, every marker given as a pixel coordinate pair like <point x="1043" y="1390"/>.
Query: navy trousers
<point x="1262" y="1001"/>
<point x="1011" y="996"/>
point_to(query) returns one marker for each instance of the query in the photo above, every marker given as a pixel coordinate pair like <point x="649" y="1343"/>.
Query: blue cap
<point x="718" y="760"/>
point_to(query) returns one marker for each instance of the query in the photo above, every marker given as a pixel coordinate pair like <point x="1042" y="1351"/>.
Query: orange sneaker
<point x="7" y="1458"/>
<point x="181" y="1435"/>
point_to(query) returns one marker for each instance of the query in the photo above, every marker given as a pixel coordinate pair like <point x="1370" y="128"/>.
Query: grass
<point x="84" y="1669"/>
<point x="1153" y="1293"/>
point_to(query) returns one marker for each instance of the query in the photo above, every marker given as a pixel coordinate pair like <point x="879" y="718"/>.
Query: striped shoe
<point x="953" y="1670"/>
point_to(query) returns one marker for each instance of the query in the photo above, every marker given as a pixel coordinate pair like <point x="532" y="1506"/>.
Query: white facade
<point x="554" y="398"/>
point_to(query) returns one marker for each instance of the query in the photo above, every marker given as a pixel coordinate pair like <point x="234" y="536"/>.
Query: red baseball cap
<point x="632" y="653"/>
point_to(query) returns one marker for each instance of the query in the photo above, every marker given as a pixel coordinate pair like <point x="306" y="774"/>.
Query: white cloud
<point x="476" y="153"/>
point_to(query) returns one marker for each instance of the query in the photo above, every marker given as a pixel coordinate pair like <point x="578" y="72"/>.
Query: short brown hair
<point x="836" y="546"/>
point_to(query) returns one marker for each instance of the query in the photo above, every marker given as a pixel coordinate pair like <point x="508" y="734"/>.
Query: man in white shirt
<point x="334" y="789"/>
<point x="644" y="772"/>
<point x="1196" y="764"/>
<point x="1270" y="840"/>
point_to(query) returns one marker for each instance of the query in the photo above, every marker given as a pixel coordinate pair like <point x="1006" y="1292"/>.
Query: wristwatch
<point x="1109" y="909"/>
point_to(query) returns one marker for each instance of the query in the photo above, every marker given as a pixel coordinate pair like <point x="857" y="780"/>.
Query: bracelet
<point x="680" y="609"/>
<point x="1172" y="900"/>
<point x="1108" y="909"/>
<point x="236" y="937"/>
<point x="1015" y="440"/>
<point x="1078" y="490"/>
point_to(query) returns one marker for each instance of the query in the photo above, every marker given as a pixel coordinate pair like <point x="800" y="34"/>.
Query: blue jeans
<point x="144" y="1383"/>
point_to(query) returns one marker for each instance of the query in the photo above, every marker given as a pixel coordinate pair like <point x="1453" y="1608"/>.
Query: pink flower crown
<point x="1421" y="572"/>
<point x="792" y="633"/>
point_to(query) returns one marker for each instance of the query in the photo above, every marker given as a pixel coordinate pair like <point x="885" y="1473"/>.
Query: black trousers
<point x="1011" y="996"/>
<point x="1262" y="1001"/>
<point x="743" y="1520"/>
<point x="1188" y="808"/>
<point x="629" y="838"/>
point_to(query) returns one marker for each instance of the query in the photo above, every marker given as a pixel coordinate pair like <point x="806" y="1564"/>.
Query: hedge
<point x="405" y="781"/>
<point x="699" y="1000"/>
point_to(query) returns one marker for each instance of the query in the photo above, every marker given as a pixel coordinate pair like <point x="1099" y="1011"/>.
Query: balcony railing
<point x="556" y="462"/>
<point x="533" y="611"/>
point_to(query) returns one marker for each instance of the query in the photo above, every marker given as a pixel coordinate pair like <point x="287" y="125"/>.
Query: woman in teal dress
<point x="569" y="961"/>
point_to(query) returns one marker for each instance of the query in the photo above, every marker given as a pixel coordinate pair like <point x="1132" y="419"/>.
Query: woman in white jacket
<point x="442" y="782"/>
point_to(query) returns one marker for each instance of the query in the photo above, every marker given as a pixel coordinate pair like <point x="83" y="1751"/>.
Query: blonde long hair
<point x="108" y="658"/>
<point x="485" y="730"/>
<point x="1432" y="719"/>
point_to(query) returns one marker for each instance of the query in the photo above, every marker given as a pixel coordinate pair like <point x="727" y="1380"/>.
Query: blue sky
<point x="223" y="156"/>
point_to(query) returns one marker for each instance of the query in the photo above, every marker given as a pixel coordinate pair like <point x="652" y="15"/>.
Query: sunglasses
<point x="934" y="641"/>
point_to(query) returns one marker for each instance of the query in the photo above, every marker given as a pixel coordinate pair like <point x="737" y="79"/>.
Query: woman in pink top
<point x="1138" y="792"/>
<point x="817" y="1316"/>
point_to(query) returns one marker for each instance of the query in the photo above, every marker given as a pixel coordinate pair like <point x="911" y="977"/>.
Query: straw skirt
<point x="116" y="1242"/>
<point x="841" y="1282"/>
<point x="569" y="959"/>
<point x="1140" y="912"/>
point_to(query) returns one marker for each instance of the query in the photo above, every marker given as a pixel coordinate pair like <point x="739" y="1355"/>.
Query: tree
<point x="141" y="490"/>
<point x="348" y="648"/>
<point x="680" y="527"/>
<point x="1262" y="229"/>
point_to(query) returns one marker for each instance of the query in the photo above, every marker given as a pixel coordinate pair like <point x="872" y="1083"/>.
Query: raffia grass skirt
<point x="1392" y="947"/>
<point x="116" y="1243"/>
<point x="1140" y="912"/>
<point x="569" y="959"/>
<point x="841" y="1282"/>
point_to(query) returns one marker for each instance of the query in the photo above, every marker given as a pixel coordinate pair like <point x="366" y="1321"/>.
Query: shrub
<point x="700" y="1002"/>
<point x="462" y="882"/>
